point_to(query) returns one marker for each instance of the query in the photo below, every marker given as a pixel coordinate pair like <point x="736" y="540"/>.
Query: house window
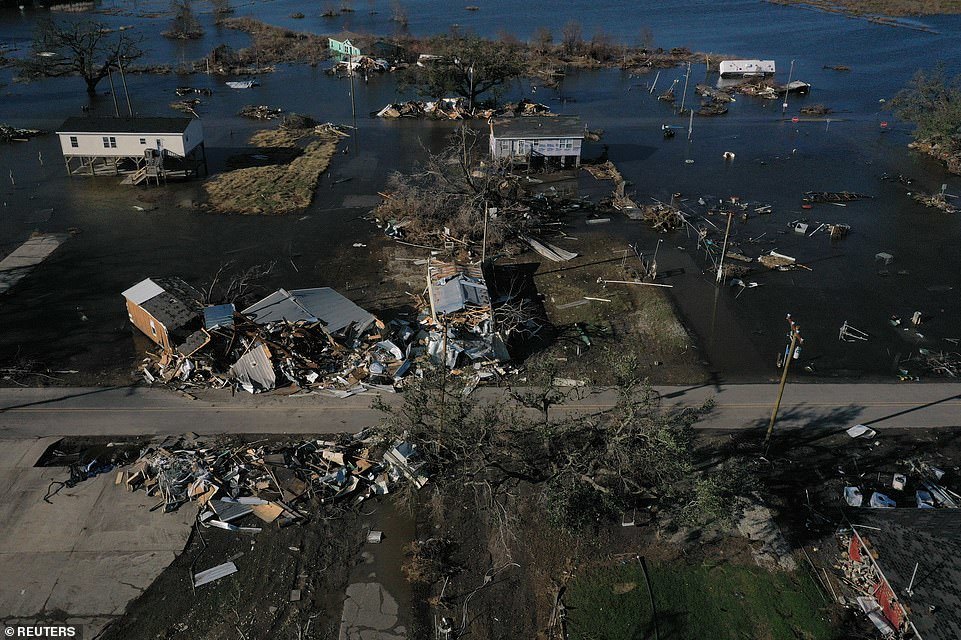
<point x="109" y="142"/>
<point x="567" y="143"/>
<point x="106" y="142"/>
<point x="153" y="329"/>
<point x="143" y="141"/>
<point x="113" y="142"/>
<point x="73" y="142"/>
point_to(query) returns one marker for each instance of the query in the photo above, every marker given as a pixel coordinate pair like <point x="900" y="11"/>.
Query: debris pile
<point x="286" y="482"/>
<point x="817" y="197"/>
<point x="936" y="201"/>
<point x="663" y="217"/>
<point x="461" y="326"/>
<point x="261" y="112"/>
<point x="13" y="134"/>
<point x="186" y="91"/>
<point x="360" y="64"/>
<point x="188" y="105"/>
<point x="459" y="109"/>
<point x="815" y="110"/>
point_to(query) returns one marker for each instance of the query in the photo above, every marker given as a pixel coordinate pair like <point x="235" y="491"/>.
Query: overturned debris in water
<point x="15" y="134"/>
<point x="815" y="197"/>
<point x="261" y="112"/>
<point x="459" y="109"/>
<point x="936" y="201"/>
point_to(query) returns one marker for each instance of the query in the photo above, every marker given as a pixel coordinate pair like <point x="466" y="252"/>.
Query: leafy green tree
<point x="469" y="67"/>
<point x="933" y="102"/>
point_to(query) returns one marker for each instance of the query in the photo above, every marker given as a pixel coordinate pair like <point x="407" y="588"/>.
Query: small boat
<point x="242" y="84"/>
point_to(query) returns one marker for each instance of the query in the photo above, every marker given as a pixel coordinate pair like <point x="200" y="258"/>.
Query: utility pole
<point x="790" y="75"/>
<point x="113" y="93"/>
<point x="350" y="74"/>
<point x="690" y="127"/>
<point x="687" y="76"/>
<point x="796" y="340"/>
<point x="727" y="232"/>
<point x="484" y="243"/>
<point x="123" y="81"/>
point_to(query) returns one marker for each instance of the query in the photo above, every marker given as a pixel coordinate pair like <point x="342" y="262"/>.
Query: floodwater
<point x="69" y="315"/>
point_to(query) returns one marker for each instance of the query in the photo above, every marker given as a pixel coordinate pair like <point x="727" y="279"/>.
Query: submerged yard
<point x="696" y="601"/>
<point x="275" y="189"/>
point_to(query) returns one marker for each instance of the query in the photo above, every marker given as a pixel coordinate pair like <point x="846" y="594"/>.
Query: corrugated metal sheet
<point x="215" y="573"/>
<point x="322" y="304"/>
<point x="221" y="315"/>
<point x="277" y="307"/>
<point x="143" y="291"/>
<point x="334" y="310"/>
<point x="254" y="369"/>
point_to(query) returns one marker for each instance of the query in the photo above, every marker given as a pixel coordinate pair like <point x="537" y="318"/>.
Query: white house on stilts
<point x="142" y="148"/>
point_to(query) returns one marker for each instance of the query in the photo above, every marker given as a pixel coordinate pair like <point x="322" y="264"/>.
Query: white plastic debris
<point x="852" y="495"/>
<point x="859" y="430"/>
<point x="881" y="501"/>
<point x="899" y="481"/>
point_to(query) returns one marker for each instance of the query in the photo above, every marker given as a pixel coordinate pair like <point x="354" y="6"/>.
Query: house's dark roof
<point x="527" y="127"/>
<point x="177" y="306"/>
<point x="931" y="538"/>
<point x="81" y="124"/>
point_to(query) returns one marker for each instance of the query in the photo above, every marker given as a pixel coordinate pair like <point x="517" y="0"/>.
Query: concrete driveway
<point x="86" y="555"/>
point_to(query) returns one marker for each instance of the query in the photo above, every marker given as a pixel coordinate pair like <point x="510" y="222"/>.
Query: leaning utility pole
<point x="687" y="76"/>
<point x="727" y="232"/>
<point x="796" y="340"/>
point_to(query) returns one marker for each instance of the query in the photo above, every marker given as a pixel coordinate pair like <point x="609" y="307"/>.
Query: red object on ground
<point x="889" y="605"/>
<point x="807" y="206"/>
<point x="854" y="549"/>
<point x="795" y="119"/>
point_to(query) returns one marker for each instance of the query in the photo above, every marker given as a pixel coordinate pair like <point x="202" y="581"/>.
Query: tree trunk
<point x="92" y="86"/>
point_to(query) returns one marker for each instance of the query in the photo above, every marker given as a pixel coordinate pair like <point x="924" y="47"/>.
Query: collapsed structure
<point x="907" y="565"/>
<point x="317" y="339"/>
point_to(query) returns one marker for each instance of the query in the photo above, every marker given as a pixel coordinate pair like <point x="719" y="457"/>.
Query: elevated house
<point x="167" y="310"/>
<point x="144" y="148"/>
<point x="538" y="142"/>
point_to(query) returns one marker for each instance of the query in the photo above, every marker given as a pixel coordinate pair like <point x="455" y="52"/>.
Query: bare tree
<point x="571" y="37"/>
<point x="542" y="40"/>
<point x="184" y="24"/>
<point x="85" y="48"/>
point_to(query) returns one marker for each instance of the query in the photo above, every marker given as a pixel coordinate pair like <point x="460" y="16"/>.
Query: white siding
<point x="555" y="147"/>
<point x="131" y="144"/>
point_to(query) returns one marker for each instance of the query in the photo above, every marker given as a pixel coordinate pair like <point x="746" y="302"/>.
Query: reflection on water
<point x="68" y="312"/>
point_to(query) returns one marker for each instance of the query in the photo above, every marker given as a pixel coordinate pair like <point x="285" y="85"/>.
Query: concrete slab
<point x="24" y="258"/>
<point x="86" y="553"/>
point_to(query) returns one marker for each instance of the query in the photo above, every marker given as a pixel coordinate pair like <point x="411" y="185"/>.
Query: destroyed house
<point x="909" y="560"/>
<point x="336" y="314"/>
<point x="453" y="288"/>
<point x="538" y="141"/>
<point x="146" y="147"/>
<point x="165" y="310"/>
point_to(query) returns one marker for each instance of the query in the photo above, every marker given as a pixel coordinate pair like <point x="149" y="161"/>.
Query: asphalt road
<point x="118" y="411"/>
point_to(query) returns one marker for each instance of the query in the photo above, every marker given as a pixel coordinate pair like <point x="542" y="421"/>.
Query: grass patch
<point x="696" y="601"/>
<point x="277" y="189"/>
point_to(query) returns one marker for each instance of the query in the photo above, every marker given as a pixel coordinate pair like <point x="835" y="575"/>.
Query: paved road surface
<point x="139" y="410"/>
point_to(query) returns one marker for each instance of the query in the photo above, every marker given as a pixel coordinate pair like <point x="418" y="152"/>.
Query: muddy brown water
<point x="68" y="314"/>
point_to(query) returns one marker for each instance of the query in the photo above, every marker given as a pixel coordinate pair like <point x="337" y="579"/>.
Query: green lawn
<point x="697" y="601"/>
